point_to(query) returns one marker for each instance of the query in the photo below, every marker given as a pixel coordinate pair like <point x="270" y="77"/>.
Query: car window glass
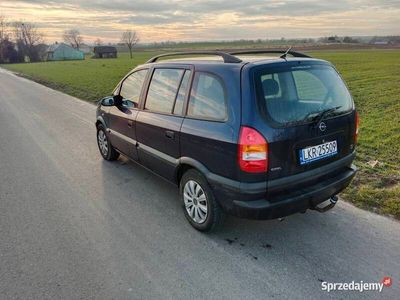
<point x="132" y="86"/>
<point x="182" y="93"/>
<point x="207" y="99"/>
<point x="128" y="103"/>
<point x="163" y="88"/>
<point x="309" y="86"/>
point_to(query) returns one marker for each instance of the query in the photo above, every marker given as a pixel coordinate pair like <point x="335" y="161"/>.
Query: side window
<point x="207" y="99"/>
<point x="163" y="88"/>
<point x="180" y="98"/>
<point x="132" y="86"/>
<point x="309" y="87"/>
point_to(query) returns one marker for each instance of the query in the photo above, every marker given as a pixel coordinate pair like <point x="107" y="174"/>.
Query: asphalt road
<point x="73" y="226"/>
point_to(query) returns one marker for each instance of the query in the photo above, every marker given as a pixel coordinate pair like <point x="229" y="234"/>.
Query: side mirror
<point x="107" y="101"/>
<point x="117" y="100"/>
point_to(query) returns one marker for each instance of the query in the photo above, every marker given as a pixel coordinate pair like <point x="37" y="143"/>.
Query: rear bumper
<point x="284" y="196"/>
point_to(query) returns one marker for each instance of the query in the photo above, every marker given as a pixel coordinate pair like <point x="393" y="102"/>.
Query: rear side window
<point x="163" y="89"/>
<point x="132" y="87"/>
<point x="309" y="86"/>
<point x="208" y="98"/>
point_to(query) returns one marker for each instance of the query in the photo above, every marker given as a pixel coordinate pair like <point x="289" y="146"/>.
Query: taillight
<point x="357" y="127"/>
<point x="253" y="151"/>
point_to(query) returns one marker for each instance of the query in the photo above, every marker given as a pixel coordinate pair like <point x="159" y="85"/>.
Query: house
<point x="61" y="51"/>
<point x="381" y="43"/>
<point x="105" y="52"/>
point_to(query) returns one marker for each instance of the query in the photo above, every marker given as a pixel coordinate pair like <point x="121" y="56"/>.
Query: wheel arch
<point x="187" y="163"/>
<point x="100" y="121"/>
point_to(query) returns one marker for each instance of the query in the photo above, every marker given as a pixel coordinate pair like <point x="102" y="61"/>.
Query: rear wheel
<point x="106" y="149"/>
<point x="199" y="205"/>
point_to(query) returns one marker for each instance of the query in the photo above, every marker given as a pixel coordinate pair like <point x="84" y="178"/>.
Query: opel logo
<point x="322" y="126"/>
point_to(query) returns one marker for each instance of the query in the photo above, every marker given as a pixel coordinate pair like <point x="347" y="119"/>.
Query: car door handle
<point x="169" y="134"/>
<point x="130" y="123"/>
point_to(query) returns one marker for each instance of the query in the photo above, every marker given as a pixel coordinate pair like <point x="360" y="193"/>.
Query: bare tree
<point x="28" y="38"/>
<point x="73" y="37"/>
<point x="3" y="29"/>
<point x="8" y="53"/>
<point x="3" y="37"/>
<point x="130" y="39"/>
<point x="98" y="42"/>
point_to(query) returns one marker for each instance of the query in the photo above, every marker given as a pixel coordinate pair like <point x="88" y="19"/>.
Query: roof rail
<point x="292" y="53"/>
<point x="228" y="58"/>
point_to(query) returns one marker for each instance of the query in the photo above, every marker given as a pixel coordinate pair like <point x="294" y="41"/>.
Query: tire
<point x="198" y="201"/>
<point x="106" y="149"/>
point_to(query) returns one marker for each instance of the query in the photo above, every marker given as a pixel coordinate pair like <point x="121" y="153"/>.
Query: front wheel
<point x="106" y="149"/>
<point x="199" y="205"/>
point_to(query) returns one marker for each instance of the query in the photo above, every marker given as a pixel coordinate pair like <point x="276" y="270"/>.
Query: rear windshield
<point x="291" y="95"/>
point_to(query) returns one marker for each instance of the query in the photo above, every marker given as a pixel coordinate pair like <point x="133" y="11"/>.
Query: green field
<point x="372" y="75"/>
<point x="89" y="79"/>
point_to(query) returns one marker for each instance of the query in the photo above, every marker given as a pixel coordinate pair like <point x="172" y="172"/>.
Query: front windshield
<point x="298" y="94"/>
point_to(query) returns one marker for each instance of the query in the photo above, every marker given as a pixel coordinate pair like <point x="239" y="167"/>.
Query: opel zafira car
<point x="254" y="134"/>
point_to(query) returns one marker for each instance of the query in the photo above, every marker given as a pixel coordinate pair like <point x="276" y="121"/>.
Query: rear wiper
<point x="323" y="113"/>
<point x="317" y="116"/>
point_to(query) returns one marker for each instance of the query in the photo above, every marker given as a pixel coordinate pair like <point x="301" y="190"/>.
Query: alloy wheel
<point x="103" y="143"/>
<point x="195" y="200"/>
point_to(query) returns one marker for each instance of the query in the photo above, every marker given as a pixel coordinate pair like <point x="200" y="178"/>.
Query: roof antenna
<point x="286" y="53"/>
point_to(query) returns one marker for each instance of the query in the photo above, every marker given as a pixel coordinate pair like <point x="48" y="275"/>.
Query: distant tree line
<point x="337" y="39"/>
<point x="233" y="43"/>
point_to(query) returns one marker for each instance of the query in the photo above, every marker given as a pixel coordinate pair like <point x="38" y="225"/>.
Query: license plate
<point x="310" y="154"/>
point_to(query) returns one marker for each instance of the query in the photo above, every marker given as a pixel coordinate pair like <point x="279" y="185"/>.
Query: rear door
<point x="291" y="98"/>
<point x="122" y="118"/>
<point x="158" y="124"/>
<point x="208" y="131"/>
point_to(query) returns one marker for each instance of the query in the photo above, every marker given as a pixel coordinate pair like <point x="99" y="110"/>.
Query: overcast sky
<point x="161" y="20"/>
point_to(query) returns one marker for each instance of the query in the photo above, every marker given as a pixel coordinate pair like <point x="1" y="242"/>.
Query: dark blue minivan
<point x="255" y="134"/>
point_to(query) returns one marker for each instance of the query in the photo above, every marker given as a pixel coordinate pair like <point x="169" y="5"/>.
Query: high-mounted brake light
<point x="253" y="151"/>
<point x="357" y="128"/>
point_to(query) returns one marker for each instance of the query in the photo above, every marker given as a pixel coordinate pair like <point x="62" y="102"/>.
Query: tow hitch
<point x="332" y="203"/>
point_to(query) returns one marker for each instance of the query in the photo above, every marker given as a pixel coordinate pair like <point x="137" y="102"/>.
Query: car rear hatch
<point x="307" y="116"/>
